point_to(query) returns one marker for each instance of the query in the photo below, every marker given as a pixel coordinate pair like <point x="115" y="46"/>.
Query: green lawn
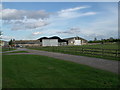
<point x="33" y="71"/>
<point x="89" y="50"/>
<point x="104" y="46"/>
<point x="0" y="49"/>
<point x="19" y="52"/>
<point x="7" y="49"/>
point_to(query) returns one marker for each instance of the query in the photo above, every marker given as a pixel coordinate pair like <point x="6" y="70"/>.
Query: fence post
<point x="82" y="50"/>
<point x="52" y="48"/>
<point x="92" y="51"/>
<point x="102" y="51"/>
<point x="116" y="53"/>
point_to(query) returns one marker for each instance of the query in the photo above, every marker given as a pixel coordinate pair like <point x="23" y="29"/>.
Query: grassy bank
<point x="32" y="71"/>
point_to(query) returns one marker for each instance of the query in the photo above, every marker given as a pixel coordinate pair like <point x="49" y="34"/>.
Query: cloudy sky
<point x="28" y="20"/>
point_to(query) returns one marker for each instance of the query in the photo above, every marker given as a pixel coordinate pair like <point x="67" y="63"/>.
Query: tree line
<point x="104" y="40"/>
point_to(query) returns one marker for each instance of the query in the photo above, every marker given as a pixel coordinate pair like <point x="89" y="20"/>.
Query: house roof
<point x="54" y="37"/>
<point x="26" y="41"/>
<point x="75" y="38"/>
<point x="3" y="41"/>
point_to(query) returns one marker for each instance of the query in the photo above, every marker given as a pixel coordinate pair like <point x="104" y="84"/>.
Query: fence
<point x="84" y="50"/>
<point x="100" y="52"/>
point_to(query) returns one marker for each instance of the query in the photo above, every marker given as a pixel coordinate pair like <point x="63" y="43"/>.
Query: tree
<point x="102" y="41"/>
<point x="11" y="42"/>
<point x="0" y="34"/>
<point x="95" y="39"/>
<point x="111" y="38"/>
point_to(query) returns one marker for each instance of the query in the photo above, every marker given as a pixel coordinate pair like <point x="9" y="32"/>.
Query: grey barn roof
<point x="75" y="38"/>
<point x="54" y="37"/>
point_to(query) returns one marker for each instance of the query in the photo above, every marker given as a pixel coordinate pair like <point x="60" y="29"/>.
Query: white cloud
<point x="28" y="25"/>
<point x="73" y="30"/>
<point x="35" y="25"/>
<point x="70" y="15"/>
<point x="73" y="12"/>
<point x="7" y="37"/>
<point x="1" y="6"/>
<point x="27" y="20"/>
<point x="1" y="10"/>
<point x="101" y="28"/>
<point x="24" y="19"/>
<point x="103" y="25"/>
<point x="36" y="33"/>
<point x="88" y="13"/>
<point x="72" y="9"/>
<point x="14" y="14"/>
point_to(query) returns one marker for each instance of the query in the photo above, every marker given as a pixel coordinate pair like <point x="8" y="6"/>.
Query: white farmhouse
<point x="76" y="41"/>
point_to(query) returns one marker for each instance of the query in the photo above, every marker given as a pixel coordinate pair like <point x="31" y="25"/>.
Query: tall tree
<point x="0" y="34"/>
<point x="11" y="42"/>
<point x="95" y="39"/>
<point x="111" y="38"/>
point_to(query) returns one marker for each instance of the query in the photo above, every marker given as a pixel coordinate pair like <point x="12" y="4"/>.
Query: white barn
<point x="52" y="41"/>
<point x="49" y="42"/>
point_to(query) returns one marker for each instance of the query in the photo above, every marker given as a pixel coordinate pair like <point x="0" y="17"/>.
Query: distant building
<point x="3" y="43"/>
<point x="25" y="43"/>
<point x="51" y="41"/>
<point x="76" y="41"/>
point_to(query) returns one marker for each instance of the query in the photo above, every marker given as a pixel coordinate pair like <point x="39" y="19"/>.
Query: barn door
<point x="77" y="42"/>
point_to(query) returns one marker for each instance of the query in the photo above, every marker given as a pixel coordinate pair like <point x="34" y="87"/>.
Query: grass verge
<point x="8" y="49"/>
<point x="33" y="71"/>
<point x="19" y="52"/>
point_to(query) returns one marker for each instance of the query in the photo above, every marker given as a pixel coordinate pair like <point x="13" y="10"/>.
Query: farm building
<point x="27" y="43"/>
<point x="76" y="41"/>
<point x="3" y="43"/>
<point x="51" y="41"/>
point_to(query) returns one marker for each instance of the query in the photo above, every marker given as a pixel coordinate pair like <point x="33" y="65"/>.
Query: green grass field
<point x="0" y="49"/>
<point x="7" y="49"/>
<point x="104" y="46"/>
<point x="19" y="52"/>
<point x="33" y="71"/>
<point x="89" y="50"/>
